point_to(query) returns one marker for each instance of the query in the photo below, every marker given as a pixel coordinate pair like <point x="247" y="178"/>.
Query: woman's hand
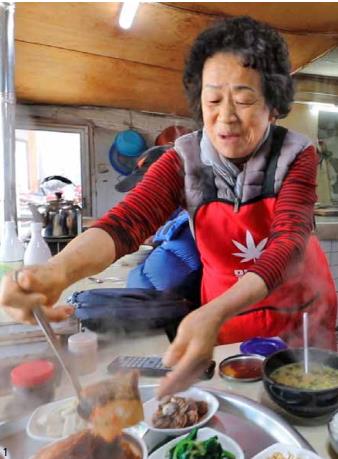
<point x="191" y="350"/>
<point x="87" y="254"/>
<point x="193" y="346"/>
<point x="39" y="285"/>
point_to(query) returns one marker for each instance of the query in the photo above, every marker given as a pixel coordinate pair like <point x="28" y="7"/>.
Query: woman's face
<point x="235" y="113"/>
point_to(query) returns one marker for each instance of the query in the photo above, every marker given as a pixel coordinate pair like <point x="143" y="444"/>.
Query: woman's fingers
<point x="35" y="278"/>
<point x="11" y="295"/>
<point x="24" y="280"/>
<point x="23" y="315"/>
<point x="190" y="352"/>
<point x="27" y="288"/>
<point x="59" y="313"/>
<point x="185" y="373"/>
<point x="174" y="352"/>
<point x="26" y="316"/>
<point x="20" y="305"/>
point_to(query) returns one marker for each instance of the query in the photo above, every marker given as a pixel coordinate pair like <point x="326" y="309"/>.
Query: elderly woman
<point x="249" y="187"/>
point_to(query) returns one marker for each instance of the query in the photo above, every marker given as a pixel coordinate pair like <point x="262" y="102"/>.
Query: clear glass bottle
<point x="37" y="251"/>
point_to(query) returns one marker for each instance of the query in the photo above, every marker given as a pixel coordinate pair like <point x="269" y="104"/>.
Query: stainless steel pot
<point x="60" y="218"/>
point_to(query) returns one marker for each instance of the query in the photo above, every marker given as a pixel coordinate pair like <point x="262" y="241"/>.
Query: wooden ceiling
<point x="76" y="53"/>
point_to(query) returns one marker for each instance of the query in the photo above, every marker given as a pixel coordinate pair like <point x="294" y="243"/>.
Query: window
<point x="44" y="150"/>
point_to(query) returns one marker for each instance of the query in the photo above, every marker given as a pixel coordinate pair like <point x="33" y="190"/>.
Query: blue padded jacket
<point x="172" y="261"/>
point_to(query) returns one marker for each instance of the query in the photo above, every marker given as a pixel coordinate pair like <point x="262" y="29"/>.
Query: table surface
<point x="155" y="342"/>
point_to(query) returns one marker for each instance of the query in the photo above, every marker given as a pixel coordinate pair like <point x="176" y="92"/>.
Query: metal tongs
<point x="83" y="409"/>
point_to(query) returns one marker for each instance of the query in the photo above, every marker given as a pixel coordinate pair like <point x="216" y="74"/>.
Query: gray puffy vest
<point x="262" y="175"/>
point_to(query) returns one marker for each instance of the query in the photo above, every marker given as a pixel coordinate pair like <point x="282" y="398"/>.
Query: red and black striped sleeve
<point x="147" y="206"/>
<point x="293" y="220"/>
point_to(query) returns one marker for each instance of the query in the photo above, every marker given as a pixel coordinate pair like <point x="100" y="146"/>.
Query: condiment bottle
<point x="83" y="349"/>
<point x="34" y="382"/>
<point x="11" y="249"/>
<point x="37" y="251"/>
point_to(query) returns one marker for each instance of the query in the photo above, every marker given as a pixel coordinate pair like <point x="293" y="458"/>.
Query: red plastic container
<point x="34" y="382"/>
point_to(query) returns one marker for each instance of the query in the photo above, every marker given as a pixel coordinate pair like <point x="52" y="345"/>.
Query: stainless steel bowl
<point x="243" y="368"/>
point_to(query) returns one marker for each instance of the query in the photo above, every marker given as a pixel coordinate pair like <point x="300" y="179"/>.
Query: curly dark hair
<point x="259" y="46"/>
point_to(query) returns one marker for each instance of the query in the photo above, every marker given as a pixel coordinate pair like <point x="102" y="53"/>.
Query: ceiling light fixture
<point x="128" y="12"/>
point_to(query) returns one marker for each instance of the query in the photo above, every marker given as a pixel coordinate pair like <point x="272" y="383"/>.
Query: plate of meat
<point x="180" y="413"/>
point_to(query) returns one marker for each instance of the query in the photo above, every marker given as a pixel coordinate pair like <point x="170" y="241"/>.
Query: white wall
<point x="105" y="122"/>
<point x="303" y="120"/>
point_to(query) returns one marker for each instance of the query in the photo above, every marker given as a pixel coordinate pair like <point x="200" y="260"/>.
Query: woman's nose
<point x="227" y="112"/>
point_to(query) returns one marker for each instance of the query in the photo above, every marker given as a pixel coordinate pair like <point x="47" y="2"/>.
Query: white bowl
<point x="42" y="427"/>
<point x="203" y="434"/>
<point x="287" y="451"/>
<point x="150" y="407"/>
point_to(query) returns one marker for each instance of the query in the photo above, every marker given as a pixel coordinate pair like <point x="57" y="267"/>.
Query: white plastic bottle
<point x="11" y="249"/>
<point x="37" y="251"/>
<point x="83" y="350"/>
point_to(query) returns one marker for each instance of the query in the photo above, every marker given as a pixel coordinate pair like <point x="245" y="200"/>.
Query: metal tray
<point x="252" y="425"/>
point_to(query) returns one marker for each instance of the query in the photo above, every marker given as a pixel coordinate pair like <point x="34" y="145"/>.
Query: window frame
<point x="86" y="149"/>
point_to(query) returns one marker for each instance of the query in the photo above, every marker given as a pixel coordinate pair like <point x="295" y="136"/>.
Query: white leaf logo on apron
<point x="250" y="251"/>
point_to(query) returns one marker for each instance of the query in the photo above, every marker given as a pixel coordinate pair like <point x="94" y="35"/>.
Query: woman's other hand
<point x="191" y="351"/>
<point x="30" y="286"/>
<point x="192" y="348"/>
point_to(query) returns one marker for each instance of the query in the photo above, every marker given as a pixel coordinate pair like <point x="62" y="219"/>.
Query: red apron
<point x="230" y="247"/>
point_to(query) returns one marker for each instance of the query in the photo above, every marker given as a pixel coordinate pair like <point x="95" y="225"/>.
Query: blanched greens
<point x="191" y="448"/>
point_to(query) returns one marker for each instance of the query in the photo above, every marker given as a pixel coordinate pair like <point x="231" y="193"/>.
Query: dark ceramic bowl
<point x="301" y="402"/>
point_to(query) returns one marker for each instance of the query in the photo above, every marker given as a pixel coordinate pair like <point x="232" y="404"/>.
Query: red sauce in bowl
<point x="242" y="368"/>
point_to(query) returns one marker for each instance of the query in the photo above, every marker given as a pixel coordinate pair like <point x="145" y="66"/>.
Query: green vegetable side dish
<point x="191" y="448"/>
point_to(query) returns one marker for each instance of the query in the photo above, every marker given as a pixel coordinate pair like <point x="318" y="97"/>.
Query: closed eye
<point x="245" y="102"/>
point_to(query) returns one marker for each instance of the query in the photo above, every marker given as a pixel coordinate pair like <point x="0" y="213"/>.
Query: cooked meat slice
<point x="115" y="404"/>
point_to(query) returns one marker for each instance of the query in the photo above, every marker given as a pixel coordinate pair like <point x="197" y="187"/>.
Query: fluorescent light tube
<point x="128" y="13"/>
<point x="321" y="107"/>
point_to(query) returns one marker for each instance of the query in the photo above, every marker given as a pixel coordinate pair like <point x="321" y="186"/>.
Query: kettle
<point x="60" y="218"/>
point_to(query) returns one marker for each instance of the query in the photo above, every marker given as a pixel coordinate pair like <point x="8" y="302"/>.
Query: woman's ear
<point x="273" y="116"/>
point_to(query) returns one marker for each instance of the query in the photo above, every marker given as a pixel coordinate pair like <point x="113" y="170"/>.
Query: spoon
<point x="306" y="343"/>
<point x="83" y="408"/>
<point x="100" y="280"/>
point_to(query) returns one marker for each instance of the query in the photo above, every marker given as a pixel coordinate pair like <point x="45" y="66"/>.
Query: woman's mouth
<point x="228" y="137"/>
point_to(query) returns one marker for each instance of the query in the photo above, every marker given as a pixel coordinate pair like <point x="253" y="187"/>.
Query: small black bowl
<point x="301" y="402"/>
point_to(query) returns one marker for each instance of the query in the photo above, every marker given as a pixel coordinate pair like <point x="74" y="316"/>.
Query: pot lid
<point x="32" y="373"/>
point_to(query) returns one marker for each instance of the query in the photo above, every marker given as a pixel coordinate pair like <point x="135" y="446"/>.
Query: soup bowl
<point x="306" y="403"/>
